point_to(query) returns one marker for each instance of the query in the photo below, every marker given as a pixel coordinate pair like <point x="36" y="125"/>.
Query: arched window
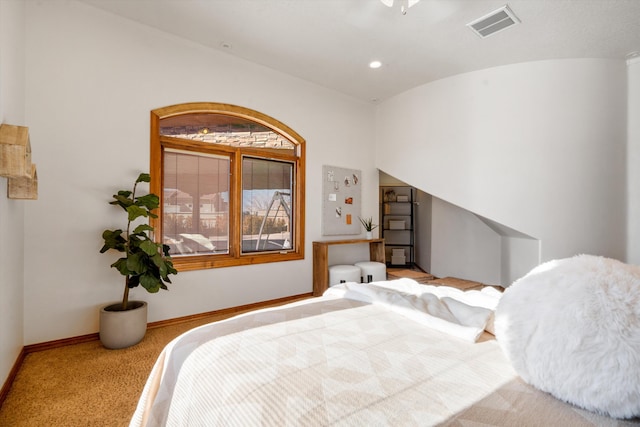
<point x="231" y="184"/>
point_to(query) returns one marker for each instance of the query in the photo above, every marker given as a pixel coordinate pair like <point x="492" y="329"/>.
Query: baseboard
<point x="12" y="375"/>
<point x="48" y="345"/>
<point x="231" y="310"/>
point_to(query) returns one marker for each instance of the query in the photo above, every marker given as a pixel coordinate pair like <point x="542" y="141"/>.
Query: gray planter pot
<point x="121" y="329"/>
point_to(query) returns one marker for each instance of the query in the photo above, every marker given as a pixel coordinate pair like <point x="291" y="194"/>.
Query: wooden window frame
<point x="235" y="256"/>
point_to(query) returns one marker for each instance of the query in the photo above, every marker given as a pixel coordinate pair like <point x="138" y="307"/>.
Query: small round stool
<point x="343" y="273"/>
<point x="372" y="271"/>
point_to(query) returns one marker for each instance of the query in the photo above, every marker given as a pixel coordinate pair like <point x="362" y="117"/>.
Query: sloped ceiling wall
<point x="538" y="147"/>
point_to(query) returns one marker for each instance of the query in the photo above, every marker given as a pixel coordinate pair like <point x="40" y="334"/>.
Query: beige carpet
<point x="86" y="384"/>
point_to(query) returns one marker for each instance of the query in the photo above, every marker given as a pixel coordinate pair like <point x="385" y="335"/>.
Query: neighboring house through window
<point x="231" y="183"/>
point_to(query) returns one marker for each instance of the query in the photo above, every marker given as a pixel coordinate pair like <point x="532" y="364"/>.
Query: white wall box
<point x="397" y="252"/>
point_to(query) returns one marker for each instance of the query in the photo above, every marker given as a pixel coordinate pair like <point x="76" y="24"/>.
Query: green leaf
<point x="121" y="266"/>
<point x="136" y="264"/>
<point x="150" y="283"/>
<point x="113" y="240"/>
<point x="122" y="200"/>
<point x="134" y="281"/>
<point x="143" y="177"/>
<point x="164" y="266"/>
<point x="142" y="228"/>
<point x="158" y="260"/>
<point x="165" y="250"/>
<point x="150" y="201"/>
<point x="136" y="212"/>
<point x="136" y="239"/>
<point x="150" y="248"/>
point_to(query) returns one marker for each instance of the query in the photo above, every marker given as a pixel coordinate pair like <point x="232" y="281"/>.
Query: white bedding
<point x="335" y="360"/>
<point x="464" y="315"/>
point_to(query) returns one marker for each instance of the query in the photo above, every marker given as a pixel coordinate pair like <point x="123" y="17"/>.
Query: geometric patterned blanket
<point x="339" y="362"/>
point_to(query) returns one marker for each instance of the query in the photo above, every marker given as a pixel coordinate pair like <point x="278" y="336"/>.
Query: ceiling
<point x="331" y="42"/>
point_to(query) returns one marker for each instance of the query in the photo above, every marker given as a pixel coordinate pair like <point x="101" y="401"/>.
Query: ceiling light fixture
<point x="404" y="4"/>
<point x="375" y="64"/>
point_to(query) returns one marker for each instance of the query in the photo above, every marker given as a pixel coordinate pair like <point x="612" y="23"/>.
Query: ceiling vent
<point x="493" y="22"/>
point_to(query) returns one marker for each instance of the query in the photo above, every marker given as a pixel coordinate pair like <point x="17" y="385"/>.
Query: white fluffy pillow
<point x="571" y="328"/>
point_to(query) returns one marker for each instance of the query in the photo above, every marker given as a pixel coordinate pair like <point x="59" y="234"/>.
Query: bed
<point x="393" y="353"/>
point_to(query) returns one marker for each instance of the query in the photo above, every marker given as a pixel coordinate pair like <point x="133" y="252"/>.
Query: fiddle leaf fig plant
<point x="144" y="262"/>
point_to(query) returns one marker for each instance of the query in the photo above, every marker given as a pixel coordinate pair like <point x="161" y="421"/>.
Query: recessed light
<point x="375" y="64"/>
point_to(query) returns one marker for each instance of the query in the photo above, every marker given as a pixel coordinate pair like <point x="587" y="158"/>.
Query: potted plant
<point x="144" y="262"/>
<point x="368" y="225"/>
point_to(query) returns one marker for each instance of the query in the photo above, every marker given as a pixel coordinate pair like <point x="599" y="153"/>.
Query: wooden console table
<point x="321" y="259"/>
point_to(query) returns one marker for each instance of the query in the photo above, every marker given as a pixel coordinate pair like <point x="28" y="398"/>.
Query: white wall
<point x="92" y="79"/>
<point x="518" y="256"/>
<point x="462" y="246"/>
<point x="11" y="211"/>
<point x="633" y="164"/>
<point x="538" y="147"/>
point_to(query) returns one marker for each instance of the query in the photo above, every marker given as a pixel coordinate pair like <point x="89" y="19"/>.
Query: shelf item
<point x="15" y="152"/>
<point x="321" y="259"/>
<point x="397" y="217"/>
<point x="395" y="224"/>
<point x="397" y="252"/>
<point x="24" y="188"/>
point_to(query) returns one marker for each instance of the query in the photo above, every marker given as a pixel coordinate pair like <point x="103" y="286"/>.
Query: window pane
<point x="266" y="205"/>
<point x="224" y="130"/>
<point x="196" y="203"/>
